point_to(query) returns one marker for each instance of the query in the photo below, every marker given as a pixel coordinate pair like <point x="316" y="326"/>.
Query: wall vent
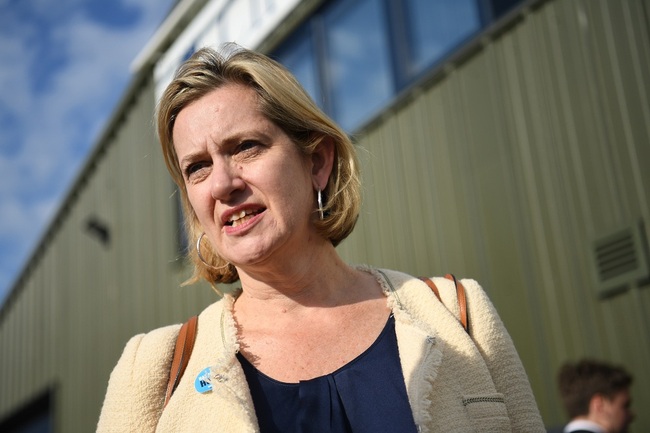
<point x="621" y="260"/>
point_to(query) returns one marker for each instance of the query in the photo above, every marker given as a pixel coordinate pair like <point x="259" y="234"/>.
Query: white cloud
<point x="80" y="69"/>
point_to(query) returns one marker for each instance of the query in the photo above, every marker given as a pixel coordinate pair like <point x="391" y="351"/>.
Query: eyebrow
<point x="188" y="159"/>
<point x="232" y="140"/>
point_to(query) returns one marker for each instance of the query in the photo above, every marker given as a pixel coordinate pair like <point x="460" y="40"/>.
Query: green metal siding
<point x="507" y="167"/>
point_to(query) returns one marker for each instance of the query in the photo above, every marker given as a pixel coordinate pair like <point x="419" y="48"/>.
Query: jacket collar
<point x="419" y="347"/>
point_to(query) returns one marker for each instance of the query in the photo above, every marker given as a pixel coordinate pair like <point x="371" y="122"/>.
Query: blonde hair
<point x="283" y="101"/>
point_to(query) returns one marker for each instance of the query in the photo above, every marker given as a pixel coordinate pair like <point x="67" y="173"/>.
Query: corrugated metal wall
<point x="505" y="168"/>
<point x="81" y="299"/>
<point x="509" y="166"/>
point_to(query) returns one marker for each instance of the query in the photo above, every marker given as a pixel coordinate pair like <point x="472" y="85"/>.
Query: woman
<point x="270" y="186"/>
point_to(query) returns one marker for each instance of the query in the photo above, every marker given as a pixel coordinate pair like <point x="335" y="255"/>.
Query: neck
<point x="319" y="279"/>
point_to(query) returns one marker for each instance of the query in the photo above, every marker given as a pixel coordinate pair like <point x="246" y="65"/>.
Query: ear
<point x="322" y="161"/>
<point x="596" y="403"/>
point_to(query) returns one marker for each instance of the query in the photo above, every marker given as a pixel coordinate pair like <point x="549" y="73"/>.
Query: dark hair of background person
<point x="580" y="381"/>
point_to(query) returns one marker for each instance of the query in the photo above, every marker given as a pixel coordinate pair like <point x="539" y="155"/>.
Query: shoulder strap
<point x="182" y="352"/>
<point x="460" y="295"/>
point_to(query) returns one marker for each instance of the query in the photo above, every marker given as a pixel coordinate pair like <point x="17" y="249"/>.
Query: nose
<point x="225" y="179"/>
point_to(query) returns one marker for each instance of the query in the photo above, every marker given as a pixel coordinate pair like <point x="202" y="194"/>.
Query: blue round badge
<point x="203" y="383"/>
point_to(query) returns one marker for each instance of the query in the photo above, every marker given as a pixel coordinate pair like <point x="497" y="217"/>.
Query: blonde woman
<point x="270" y="186"/>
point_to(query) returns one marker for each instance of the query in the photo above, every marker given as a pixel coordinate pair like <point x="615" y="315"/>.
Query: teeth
<point x="235" y="217"/>
<point x="240" y="215"/>
<point x="240" y="218"/>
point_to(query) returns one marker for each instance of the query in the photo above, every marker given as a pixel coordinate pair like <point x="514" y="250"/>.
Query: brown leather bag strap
<point x="460" y="296"/>
<point x="182" y="352"/>
<point x="432" y="286"/>
<point x="462" y="301"/>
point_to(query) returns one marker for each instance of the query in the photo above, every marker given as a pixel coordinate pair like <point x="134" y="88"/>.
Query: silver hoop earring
<point x="198" y="251"/>
<point x="320" y="205"/>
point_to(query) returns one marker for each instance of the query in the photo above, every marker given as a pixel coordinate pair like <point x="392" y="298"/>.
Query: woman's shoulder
<point x="151" y="341"/>
<point x="393" y="280"/>
<point x="137" y="384"/>
<point x="138" y="381"/>
<point x="155" y="347"/>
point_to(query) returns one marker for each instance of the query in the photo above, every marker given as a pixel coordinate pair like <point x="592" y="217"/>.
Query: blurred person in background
<point x="596" y="396"/>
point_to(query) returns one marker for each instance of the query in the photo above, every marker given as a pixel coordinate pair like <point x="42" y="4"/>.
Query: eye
<point x="247" y="146"/>
<point x="194" y="168"/>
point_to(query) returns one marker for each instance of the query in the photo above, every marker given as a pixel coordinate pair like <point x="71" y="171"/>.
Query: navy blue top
<point x="366" y="395"/>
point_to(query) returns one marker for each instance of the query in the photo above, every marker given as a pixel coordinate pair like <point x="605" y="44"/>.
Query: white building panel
<point x="246" y="22"/>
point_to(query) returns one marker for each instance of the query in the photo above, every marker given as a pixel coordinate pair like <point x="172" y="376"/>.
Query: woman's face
<point x="251" y="188"/>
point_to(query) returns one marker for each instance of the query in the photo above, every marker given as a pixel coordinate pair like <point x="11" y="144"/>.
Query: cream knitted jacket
<point x="454" y="383"/>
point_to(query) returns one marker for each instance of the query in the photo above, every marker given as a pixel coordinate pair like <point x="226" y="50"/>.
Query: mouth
<point x="243" y="216"/>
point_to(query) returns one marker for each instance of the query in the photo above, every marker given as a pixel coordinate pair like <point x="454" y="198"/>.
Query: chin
<point x="247" y="259"/>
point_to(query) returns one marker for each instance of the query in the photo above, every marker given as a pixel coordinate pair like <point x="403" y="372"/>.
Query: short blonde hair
<point x="283" y="101"/>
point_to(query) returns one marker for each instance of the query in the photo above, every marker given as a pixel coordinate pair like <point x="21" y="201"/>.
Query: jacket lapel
<point x="419" y="348"/>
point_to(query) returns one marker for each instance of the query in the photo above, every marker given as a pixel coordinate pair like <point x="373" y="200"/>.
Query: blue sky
<point x="64" y="65"/>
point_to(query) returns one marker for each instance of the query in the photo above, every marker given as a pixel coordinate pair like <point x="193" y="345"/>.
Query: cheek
<point x="298" y="192"/>
<point x="199" y="203"/>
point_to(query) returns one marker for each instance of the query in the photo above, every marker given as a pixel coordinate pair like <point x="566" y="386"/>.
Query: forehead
<point x="223" y="111"/>
<point x="229" y="100"/>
